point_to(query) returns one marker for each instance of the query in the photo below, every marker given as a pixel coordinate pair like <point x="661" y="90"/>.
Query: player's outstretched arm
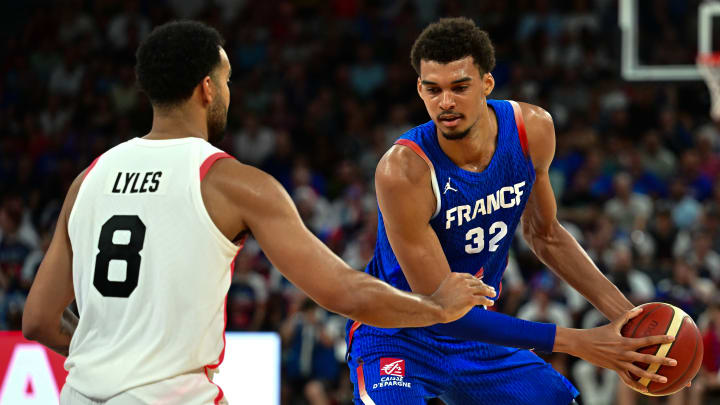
<point x="550" y="241"/>
<point x="268" y="212"/>
<point x="45" y="316"/>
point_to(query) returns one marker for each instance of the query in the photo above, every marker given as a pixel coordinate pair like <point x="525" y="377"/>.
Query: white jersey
<point x="151" y="271"/>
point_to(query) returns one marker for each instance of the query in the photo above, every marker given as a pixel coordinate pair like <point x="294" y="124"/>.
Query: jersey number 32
<point x="476" y="237"/>
<point x="128" y="253"/>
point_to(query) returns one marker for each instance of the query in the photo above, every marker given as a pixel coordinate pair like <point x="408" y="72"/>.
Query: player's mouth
<point x="450" y="120"/>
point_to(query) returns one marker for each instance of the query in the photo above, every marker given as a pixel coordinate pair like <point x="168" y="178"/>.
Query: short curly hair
<point x="450" y="39"/>
<point x="174" y="58"/>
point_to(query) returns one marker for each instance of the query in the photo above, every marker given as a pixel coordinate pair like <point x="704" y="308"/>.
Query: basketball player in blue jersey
<point x="451" y="193"/>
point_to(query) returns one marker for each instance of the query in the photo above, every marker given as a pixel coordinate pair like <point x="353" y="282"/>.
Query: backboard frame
<point x="630" y="66"/>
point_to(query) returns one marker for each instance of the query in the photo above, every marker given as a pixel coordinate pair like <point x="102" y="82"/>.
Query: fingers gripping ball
<point x="658" y="318"/>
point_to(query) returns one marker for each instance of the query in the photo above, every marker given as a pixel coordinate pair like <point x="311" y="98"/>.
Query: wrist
<point x="566" y="340"/>
<point x="435" y="311"/>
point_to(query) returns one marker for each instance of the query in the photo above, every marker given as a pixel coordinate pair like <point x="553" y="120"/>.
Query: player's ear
<point x="207" y="90"/>
<point x="488" y="83"/>
<point x="419" y="87"/>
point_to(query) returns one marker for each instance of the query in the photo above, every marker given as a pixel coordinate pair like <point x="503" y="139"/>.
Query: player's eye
<point x="460" y="89"/>
<point x="433" y="90"/>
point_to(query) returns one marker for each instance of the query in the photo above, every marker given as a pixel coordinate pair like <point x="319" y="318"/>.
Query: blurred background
<point x="319" y="92"/>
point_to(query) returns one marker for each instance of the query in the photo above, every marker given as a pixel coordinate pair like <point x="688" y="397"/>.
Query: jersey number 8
<point x="129" y="253"/>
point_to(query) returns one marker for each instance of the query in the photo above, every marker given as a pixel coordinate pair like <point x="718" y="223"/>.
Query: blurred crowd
<point x="319" y="92"/>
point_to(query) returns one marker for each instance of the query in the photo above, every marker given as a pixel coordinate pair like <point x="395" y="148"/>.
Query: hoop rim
<point x="709" y="59"/>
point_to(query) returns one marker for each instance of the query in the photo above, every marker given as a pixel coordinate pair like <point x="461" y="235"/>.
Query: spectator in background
<point x="628" y="209"/>
<point x="710" y="371"/>
<point x="685" y="289"/>
<point x="310" y="362"/>
<point x="664" y="236"/>
<point x="636" y="285"/>
<point x="366" y="75"/>
<point x="702" y="257"/>
<point x="55" y="117"/>
<point x="709" y="159"/>
<point x="126" y="29"/>
<point x="685" y="208"/>
<point x="690" y="170"/>
<point x="655" y="157"/>
<point x="13" y="249"/>
<point x="67" y="76"/>
<point x="247" y="297"/>
<point x="254" y="143"/>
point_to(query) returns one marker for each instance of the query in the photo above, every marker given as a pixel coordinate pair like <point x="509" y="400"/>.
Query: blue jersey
<point x="476" y="212"/>
<point x="475" y="220"/>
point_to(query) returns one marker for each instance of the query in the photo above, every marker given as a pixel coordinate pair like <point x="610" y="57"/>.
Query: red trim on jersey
<point x="353" y="328"/>
<point x="209" y="162"/>
<point x="364" y="397"/>
<point x="520" y="127"/>
<point x="222" y="353"/>
<point x="417" y="149"/>
<point x="220" y="394"/>
<point x="90" y="167"/>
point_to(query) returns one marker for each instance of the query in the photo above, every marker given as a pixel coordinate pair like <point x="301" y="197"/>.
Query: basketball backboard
<point x="631" y="65"/>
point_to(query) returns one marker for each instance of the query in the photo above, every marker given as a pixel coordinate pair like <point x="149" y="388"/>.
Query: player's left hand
<point x="459" y="293"/>
<point x="604" y="346"/>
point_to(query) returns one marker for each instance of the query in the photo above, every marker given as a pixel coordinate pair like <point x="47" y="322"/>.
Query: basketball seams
<point x="680" y="378"/>
<point x="673" y="329"/>
<point x="639" y="321"/>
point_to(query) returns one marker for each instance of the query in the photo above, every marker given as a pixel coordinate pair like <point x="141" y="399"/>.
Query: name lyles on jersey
<point x="136" y="182"/>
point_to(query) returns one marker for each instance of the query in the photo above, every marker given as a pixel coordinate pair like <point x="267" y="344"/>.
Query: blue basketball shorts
<point x="412" y="366"/>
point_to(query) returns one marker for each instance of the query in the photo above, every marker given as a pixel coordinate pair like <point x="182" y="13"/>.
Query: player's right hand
<point x="459" y="293"/>
<point x="604" y="346"/>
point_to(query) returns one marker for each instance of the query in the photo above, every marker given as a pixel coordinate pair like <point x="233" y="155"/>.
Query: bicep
<point x="406" y="207"/>
<point x="541" y="208"/>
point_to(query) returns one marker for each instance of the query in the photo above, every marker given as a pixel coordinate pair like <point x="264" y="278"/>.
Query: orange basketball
<point x="658" y="318"/>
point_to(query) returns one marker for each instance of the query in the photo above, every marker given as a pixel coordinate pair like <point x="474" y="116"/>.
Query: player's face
<point x="453" y="94"/>
<point x="218" y="109"/>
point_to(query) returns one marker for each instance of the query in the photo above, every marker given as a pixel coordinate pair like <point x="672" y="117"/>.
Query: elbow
<point x="340" y="302"/>
<point x="547" y="232"/>
<point x="31" y="326"/>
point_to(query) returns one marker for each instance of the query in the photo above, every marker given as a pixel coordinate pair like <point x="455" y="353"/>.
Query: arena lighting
<point x="30" y="374"/>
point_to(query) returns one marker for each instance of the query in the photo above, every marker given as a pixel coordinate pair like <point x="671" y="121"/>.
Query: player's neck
<point x="178" y="122"/>
<point x="476" y="149"/>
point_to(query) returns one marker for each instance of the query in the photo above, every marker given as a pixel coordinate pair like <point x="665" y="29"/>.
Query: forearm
<point x="561" y="252"/>
<point x="500" y="329"/>
<point x="378" y="304"/>
<point x="57" y="338"/>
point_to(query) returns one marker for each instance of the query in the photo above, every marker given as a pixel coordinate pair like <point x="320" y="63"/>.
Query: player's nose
<point x="447" y="101"/>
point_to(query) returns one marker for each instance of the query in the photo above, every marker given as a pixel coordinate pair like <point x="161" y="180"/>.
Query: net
<point x="709" y="67"/>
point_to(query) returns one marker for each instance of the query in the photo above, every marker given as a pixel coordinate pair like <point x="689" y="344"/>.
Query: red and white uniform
<point x="151" y="273"/>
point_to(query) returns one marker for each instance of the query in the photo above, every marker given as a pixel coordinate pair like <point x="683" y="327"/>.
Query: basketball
<point x="659" y="318"/>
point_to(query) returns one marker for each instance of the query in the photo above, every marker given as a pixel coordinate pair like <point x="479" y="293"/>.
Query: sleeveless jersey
<point x="476" y="212"/>
<point x="150" y="269"/>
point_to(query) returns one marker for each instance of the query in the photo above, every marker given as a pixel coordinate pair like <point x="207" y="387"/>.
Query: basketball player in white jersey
<point x="148" y="233"/>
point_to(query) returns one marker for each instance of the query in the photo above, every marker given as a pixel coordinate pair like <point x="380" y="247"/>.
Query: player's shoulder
<point x="536" y="118"/>
<point x="240" y="182"/>
<point x="401" y="167"/>
<point x="540" y="132"/>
